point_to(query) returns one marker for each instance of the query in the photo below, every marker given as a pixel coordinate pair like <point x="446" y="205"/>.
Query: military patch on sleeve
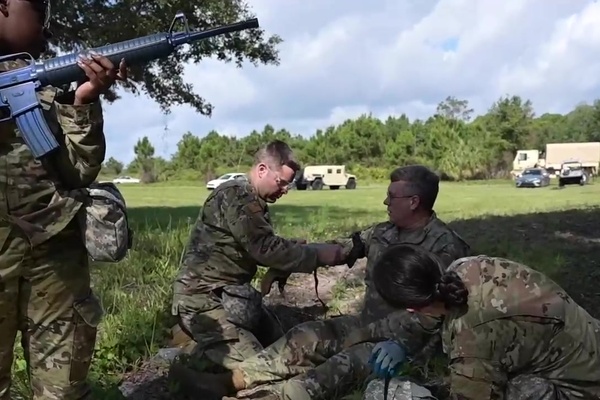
<point x="254" y="207"/>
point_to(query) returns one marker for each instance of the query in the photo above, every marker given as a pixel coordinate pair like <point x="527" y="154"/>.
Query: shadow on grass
<point x="565" y="245"/>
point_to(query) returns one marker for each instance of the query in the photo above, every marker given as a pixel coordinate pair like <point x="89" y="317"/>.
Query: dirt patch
<point x="336" y="288"/>
<point x="577" y="238"/>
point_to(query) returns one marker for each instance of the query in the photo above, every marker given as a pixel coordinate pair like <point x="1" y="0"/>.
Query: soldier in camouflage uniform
<point x="330" y="356"/>
<point x="213" y="297"/>
<point x="510" y="332"/>
<point x="44" y="274"/>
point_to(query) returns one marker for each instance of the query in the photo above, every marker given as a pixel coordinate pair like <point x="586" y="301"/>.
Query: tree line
<point x="450" y="141"/>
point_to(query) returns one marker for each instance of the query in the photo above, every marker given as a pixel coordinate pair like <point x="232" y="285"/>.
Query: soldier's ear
<point x="4" y="7"/>
<point x="262" y="170"/>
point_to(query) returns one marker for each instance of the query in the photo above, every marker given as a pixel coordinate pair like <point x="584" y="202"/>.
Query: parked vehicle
<point x="125" y="179"/>
<point x="533" y="178"/>
<point x="318" y="176"/>
<point x="587" y="153"/>
<point x="572" y="172"/>
<point x="213" y="184"/>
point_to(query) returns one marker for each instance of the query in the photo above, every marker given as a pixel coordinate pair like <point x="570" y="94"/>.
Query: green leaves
<point x="92" y="23"/>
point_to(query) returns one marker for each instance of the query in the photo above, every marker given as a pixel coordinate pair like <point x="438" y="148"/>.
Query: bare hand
<point x="101" y="74"/>
<point x="272" y="276"/>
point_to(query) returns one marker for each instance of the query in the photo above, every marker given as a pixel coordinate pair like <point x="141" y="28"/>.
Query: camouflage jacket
<point x="32" y="191"/>
<point x="436" y="237"/>
<point x="232" y="236"/>
<point x="519" y="322"/>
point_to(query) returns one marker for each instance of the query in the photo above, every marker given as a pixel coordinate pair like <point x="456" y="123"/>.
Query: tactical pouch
<point x="104" y="223"/>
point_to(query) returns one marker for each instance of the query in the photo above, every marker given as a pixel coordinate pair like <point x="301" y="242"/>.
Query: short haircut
<point x="424" y="182"/>
<point x="277" y="154"/>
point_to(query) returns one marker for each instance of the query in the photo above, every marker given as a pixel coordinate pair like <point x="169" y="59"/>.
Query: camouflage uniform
<point x="522" y="337"/>
<point x="44" y="274"/>
<point x="213" y="297"/>
<point x="313" y="353"/>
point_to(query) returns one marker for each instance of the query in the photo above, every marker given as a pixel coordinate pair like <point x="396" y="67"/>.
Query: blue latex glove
<point x="387" y="358"/>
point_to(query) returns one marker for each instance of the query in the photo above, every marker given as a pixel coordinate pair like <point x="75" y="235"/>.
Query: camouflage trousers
<point x="312" y="358"/>
<point x="229" y="325"/>
<point x="524" y="387"/>
<point x="45" y="294"/>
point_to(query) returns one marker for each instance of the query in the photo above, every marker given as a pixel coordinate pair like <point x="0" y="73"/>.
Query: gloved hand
<point x="387" y="358"/>
<point x="272" y="276"/>
<point x="329" y="254"/>
<point x="358" y="250"/>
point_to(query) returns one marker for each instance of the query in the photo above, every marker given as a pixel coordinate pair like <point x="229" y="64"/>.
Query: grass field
<point x="553" y="230"/>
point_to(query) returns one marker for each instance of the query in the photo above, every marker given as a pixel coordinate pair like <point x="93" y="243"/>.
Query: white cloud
<point x="342" y="59"/>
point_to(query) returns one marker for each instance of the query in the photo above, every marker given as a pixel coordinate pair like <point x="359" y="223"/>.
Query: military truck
<point x="587" y="153"/>
<point x="316" y="177"/>
<point x="572" y="173"/>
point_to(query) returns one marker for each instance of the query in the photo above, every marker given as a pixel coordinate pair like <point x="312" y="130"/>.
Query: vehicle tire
<point x="300" y="186"/>
<point x="561" y="183"/>
<point x="351" y="184"/>
<point x="317" y="184"/>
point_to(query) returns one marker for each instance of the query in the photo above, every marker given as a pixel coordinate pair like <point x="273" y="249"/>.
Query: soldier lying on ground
<point x="44" y="270"/>
<point x="330" y="356"/>
<point x="510" y="331"/>
<point x="213" y="297"/>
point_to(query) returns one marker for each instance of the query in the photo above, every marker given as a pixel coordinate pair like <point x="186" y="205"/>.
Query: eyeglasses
<point x="392" y="196"/>
<point x="282" y="183"/>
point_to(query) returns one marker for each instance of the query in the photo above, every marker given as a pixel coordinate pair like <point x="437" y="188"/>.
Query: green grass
<point x="494" y="217"/>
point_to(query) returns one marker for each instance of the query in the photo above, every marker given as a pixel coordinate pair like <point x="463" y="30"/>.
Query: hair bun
<point x="452" y="291"/>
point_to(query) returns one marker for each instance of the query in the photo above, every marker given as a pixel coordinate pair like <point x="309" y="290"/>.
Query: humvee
<point x="317" y="176"/>
<point x="572" y="172"/>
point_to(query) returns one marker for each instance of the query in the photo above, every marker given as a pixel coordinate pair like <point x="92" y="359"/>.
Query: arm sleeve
<point x="84" y="145"/>
<point x="346" y="242"/>
<point x="475" y="379"/>
<point x="455" y="249"/>
<point x="412" y="330"/>
<point x="247" y="223"/>
<point x="476" y="371"/>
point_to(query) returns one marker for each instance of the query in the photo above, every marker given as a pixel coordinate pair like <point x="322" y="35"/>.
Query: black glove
<point x="358" y="250"/>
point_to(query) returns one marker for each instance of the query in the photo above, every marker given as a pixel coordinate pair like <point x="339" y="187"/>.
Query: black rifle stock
<point x="17" y="87"/>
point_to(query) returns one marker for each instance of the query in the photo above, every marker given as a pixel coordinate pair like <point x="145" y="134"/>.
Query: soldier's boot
<point x="204" y="385"/>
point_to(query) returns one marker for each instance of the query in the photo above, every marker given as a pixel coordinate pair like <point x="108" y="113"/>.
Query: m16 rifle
<point x="18" y="87"/>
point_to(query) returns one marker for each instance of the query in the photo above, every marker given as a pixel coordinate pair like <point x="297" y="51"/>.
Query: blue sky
<point x="342" y="59"/>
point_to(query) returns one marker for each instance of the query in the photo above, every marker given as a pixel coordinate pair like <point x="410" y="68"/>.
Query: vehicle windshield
<point x="226" y="176"/>
<point x="573" y="166"/>
<point x="532" y="172"/>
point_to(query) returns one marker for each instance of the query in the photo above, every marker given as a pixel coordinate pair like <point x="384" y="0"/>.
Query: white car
<point x="211" y="185"/>
<point x="125" y="179"/>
